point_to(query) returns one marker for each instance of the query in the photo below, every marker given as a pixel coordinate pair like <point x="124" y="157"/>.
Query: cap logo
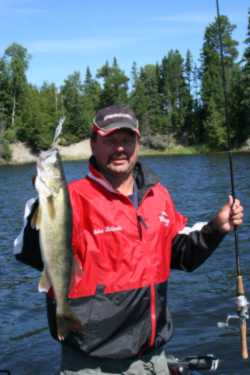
<point x="108" y="117"/>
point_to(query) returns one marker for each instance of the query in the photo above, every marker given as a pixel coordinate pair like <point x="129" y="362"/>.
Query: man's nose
<point x="119" y="147"/>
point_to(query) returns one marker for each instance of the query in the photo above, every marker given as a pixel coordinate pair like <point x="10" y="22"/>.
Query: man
<point x="126" y="236"/>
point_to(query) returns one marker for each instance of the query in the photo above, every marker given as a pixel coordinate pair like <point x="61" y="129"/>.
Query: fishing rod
<point x="241" y="300"/>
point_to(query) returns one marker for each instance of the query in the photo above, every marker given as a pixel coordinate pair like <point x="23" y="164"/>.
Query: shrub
<point x="5" y="151"/>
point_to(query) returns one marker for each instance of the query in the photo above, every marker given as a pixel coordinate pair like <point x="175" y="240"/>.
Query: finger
<point x="236" y="203"/>
<point x="237" y="211"/>
<point x="237" y="223"/>
<point x="237" y="215"/>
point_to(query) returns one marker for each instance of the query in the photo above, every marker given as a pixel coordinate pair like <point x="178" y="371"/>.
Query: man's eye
<point x="128" y="142"/>
<point x="123" y="142"/>
<point x="108" y="141"/>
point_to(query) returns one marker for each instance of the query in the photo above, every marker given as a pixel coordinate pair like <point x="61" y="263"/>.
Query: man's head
<point x="115" y="141"/>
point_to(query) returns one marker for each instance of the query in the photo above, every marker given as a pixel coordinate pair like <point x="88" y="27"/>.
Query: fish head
<point x="49" y="169"/>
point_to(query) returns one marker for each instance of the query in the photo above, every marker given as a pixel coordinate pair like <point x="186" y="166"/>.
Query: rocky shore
<point x="21" y="154"/>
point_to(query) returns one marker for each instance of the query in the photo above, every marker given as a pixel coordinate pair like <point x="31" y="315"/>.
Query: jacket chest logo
<point x="164" y="219"/>
<point x="115" y="228"/>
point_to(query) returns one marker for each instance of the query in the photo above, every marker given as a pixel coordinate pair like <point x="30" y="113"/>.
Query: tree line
<point x="176" y="99"/>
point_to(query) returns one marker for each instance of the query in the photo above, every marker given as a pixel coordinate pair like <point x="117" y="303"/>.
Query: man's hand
<point x="229" y="216"/>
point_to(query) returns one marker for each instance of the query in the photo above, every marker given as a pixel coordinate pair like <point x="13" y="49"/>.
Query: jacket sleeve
<point x="26" y="245"/>
<point x="192" y="246"/>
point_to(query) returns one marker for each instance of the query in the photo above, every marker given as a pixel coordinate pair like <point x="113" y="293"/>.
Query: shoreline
<point x="21" y="154"/>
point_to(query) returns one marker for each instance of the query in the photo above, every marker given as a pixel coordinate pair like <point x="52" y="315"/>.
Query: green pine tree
<point x="91" y="100"/>
<point x="175" y="96"/>
<point x="245" y="89"/>
<point x="5" y="98"/>
<point x="72" y="96"/>
<point x="145" y="100"/>
<point x="211" y="71"/>
<point x="216" y="134"/>
<point x="16" y="60"/>
<point x="115" y="85"/>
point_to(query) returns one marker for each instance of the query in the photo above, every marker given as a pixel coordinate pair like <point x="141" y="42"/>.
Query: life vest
<point x="115" y="245"/>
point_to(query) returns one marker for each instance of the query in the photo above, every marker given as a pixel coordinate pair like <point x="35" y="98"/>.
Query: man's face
<point x="116" y="154"/>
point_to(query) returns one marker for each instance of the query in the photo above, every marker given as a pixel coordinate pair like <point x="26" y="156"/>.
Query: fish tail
<point x="67" y="322"/>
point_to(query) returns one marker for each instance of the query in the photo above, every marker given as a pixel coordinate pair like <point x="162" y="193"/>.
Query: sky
<point x="65" y="36"/>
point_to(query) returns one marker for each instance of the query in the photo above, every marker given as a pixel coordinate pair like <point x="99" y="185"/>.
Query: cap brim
<point x="114" y="128"/>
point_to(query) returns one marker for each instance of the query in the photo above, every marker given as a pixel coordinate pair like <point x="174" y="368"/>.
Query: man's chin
<point x="119" y="169"/>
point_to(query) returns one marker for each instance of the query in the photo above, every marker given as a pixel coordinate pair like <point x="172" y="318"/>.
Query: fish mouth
<point x="48" y="165"/>
<point x="47" y="158"/>
<point x="49" y="155"/>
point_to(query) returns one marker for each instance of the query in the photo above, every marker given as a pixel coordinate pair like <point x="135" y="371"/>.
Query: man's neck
<point x="125" y="186"/>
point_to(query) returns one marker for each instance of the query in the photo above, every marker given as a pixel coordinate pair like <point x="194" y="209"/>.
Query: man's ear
<point x="91" y="144"/>
<point x="138" y="141"/>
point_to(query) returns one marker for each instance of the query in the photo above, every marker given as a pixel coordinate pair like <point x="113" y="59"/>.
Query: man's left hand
<point x="229" y="216"/>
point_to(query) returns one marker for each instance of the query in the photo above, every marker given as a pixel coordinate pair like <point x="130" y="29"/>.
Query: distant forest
<point x="176" y="100"/>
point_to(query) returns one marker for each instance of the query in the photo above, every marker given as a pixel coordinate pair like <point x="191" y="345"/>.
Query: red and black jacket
<point x="123" y="255"/>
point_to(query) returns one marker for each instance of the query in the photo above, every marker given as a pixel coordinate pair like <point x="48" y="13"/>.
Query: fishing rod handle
<point x="243" y="325"/>
<point x="243" y="339"/>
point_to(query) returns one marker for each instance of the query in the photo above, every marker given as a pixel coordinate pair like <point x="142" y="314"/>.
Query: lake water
<point x="199" y="185"/>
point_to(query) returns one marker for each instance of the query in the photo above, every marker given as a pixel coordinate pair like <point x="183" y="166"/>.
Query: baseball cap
<point x="113" y="118"/>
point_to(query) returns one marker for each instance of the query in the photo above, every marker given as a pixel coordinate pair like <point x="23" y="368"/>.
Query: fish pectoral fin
<point x="44" y="282"/>
<point x="51" y="206"/>
<point x="36" y="219"/>
<point x="66" y="324"/>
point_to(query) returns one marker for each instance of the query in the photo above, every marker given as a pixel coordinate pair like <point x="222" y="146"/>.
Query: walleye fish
<point x="53" y="219"/>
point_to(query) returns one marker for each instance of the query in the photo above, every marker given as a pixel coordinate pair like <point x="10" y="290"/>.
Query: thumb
<point x="230" y="200"/>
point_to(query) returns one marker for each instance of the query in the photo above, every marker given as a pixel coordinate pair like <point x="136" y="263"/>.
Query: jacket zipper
<point x="141" y="223"/>
<point x="152" y="315"/>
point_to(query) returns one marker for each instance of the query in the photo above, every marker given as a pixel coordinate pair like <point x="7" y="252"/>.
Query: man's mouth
<point x="119" y="158"/>
<point x="118" y="162"/>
